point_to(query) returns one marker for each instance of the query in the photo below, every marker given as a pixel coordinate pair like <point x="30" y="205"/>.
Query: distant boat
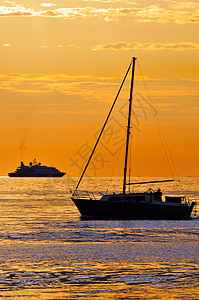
<point x="127" y="205"/>
<point x="36" y="170"/>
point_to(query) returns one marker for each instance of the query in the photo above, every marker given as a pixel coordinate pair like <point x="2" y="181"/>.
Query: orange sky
<point x="61" y="66"/>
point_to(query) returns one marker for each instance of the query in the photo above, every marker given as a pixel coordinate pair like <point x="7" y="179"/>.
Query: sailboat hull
<point x="97" y="209"/>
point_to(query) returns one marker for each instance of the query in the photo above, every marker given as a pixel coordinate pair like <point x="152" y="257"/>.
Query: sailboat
<point x="149" y="205"/>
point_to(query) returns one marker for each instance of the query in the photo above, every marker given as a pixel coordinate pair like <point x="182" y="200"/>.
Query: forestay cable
<point x="103" y="126"/>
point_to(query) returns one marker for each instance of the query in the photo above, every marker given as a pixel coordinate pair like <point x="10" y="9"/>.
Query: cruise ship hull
<point x="36" y="170"/>
<point x="36" y="175"/>
<point x="98" y="209"/>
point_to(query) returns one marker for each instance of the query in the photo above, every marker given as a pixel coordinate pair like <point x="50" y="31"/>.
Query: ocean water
<point x="48" y="252"/>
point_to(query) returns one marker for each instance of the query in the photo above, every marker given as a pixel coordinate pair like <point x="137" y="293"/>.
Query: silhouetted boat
<point x="147" y="205"/>
<point x="36" y="170"/>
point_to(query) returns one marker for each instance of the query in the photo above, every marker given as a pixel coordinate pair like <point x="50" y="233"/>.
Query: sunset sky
<point x="62" y="63"/>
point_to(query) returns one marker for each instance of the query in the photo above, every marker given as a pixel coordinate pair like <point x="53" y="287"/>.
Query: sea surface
<point x="48" y="252"/>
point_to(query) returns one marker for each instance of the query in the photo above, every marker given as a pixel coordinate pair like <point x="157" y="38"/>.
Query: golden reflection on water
<point x="47" y="252"/>
<point x="103" y="281"/>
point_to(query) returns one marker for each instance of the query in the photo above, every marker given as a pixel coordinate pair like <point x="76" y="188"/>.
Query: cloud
<point x="6" y="45"/>
<point x="74" y="112"/>
<point x="91" y="87"/>
<point x="190" y="111"/>
<point x="161" y="12"/>
<point x="47" y="4"/>
<point x="119" y="46"/>
<point x="111" y="1"/>
<point x="50" y="13"/>
<point x="73" y="46"/>
<point x="84" y="94"/>
<point x="15" y="10"/>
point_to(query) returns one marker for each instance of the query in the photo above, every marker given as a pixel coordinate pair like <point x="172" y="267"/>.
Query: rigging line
<point x="162" y="135"/>
<point x="160" y="130"/>
<point x="165" y="145"/>
<point x="162" y="141"/>
<point x="104" y="126"/>
<point x="165" y="141"/>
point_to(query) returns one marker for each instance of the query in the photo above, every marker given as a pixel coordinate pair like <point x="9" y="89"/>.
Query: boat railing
<point x="77" y="194"/>
<point x="185" y="200"/>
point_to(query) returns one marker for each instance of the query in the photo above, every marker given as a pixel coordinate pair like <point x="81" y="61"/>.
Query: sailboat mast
<point x="129" y="125"/>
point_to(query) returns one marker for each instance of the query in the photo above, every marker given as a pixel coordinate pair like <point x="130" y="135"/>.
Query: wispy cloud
<point x="6" y="45"/>
<point x="190" y="111"/>
<point x="161" y="12"/>
<point x="85" y="86"/>
<point x="91" y="87"/>
<point x="74" y="112"/>
<point x="111" y="1"/>
<point x="64" y="94"/>
<point x="13" y="9"/>
<point x="180" y="46"/>
<point x="61" y="46"/>
<point x="48" y="4"/>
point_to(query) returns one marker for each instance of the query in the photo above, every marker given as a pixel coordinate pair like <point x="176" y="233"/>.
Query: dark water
<point x="47" y="252"/>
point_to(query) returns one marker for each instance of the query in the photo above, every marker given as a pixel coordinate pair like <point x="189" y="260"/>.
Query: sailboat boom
<point x="154" y="181"/>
